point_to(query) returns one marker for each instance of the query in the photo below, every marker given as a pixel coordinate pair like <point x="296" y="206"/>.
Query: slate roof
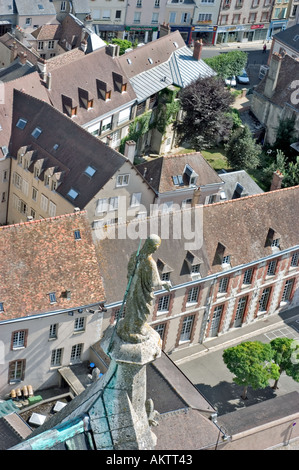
<point x="283" y="91"/>
<point x="231" y="179"/>
<point x="159" y="172"/>
<point x="157" y="64"/>
<point x="31" y="8"/>
<point x="84" y="74"/>
<point x="77" y="148"/>
<point x="43" y="256"/>
<point x="7" y="7"/>
<point x="289" y="37"/>
<point x="16" y="70"/>
<point x="29" y="84"/>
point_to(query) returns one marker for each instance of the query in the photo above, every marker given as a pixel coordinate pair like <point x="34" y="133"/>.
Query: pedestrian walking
<point x="264" y="47"/>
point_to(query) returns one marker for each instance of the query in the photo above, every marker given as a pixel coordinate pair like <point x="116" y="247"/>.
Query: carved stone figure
<point x="143" y="277"/>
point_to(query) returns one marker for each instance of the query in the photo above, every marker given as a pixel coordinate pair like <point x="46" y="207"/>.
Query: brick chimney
<point x="197" y="49"/>
<point x="22" y="57"/>
<point x="276" y="180"/>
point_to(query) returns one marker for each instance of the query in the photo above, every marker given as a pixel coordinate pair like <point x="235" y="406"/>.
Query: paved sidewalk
<point x="234" y="336"/>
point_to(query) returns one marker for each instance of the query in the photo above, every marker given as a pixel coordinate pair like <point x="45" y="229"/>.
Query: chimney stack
<point x="22" y="57"/>
<point x="130" y="148"/>
<point x="49" y="81"/>
<point x="197" y="49"/>
<point x="276" y="180"/>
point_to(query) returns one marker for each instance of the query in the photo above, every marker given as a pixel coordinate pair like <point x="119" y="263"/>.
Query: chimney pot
<point x="197" y="49"/>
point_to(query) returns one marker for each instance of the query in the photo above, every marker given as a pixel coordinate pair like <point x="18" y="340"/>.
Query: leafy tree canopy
<point x="205" y="104"/>
<point x="122" y="43"/>
<point x="251" y="363"/>
<point x="286" y="356"/>
<point x="228" y="64"/>
<point x="242" y="151"/>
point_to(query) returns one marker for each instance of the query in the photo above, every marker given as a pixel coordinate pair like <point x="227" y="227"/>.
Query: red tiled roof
<point x="43" y="256"/>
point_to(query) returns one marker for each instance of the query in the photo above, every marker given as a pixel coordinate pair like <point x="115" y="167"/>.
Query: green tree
<point x="285" y="136"/>
<point x="286" y="356"/>
<point x="290" y="170"/>
<point x="205" y="104"/>
<point x="251" y="363"/>
<point x="242" y="151"/>
<point x="123" y="44"/>
<point x="226" y="65"/>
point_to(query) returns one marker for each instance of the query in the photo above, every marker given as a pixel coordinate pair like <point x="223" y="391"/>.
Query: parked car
<point x="243" y="77"/>
<point x="230" y="81"/>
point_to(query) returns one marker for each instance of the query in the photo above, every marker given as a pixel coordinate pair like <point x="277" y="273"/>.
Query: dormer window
<point x="273" y="238"/>
<point x="108" y="95"/>
<point x="275" y="242"/>
<point x="85" y="98"/>
<point x="77" y="235"/>
<point x="164" y="270"/>
<point x="193" y="263"/>
<point x="69" y="106"/>
<point x="190" y="174"/>
<point x="1" y="307"/>
<point x="226" y="260"/>
<point x="195" y="269"/>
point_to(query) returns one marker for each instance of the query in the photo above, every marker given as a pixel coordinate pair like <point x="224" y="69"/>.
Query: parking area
<point x="285" y="332"/>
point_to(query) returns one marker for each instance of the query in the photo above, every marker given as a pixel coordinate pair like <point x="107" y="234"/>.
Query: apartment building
<point x="50" y="312"/>
<point x="217" y="283"/>
<point x="179" y="15"/>
<point x="108" y="18"/>
<point x="281" y="11"/>
<point x="243" y="21"/>
<point x="205" y="20"/>
<point x="143" y="19"/>
<point x="57" y="166"/>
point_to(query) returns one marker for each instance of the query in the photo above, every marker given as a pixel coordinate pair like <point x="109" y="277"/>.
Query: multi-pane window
<point x="271" y="268"/>
<point x="263" y="303"/>
<point x="52" y="297"/>
<point x="226" y="259"/>
<point x="56" y="357"/>
<point x="76" y="352"/>
<point x="16" y="370"/>
<point x="52" y="209"/>
<point x="79" y="324"/>
<point x="240" y="309"/>
<point x="44" y="202"/>
<point x="119" y="313"/>
<point x="53" y="331"/>
<point x="187" y="328"/>
<point x="135" y="199"/>
<point x="193" y="294"/>
<point x="161" y="330"/>
<point x="163" y="303"/>
<point x="19" y="339"/>
<point x="295" y="259"/>
<point x="195" y="269"/>
<point x="122" y="180"/>
<point x="165" y="276"/>
<point x="34" y="194"/>
<point x="247" y="276"/>
<point x="275" y="242"/>
<point x="223" y="283"/>
<point x="287" y="290"/>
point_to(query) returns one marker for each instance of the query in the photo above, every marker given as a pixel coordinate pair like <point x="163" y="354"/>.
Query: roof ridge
<point x="251" y="196"/>
<point x="47" y="219"/>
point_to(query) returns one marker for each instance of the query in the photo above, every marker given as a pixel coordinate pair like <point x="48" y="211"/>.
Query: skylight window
<point x="36" y="133"/>
<point x="150" y="60"/>
<point x="77" y="235"/>
<point x="72" y="193"/>
<point x="40" y="7"/>
<point x="1" y="307"/>
<point x="55" y="146"/>
<point x="52" y="297"/>
<point x="21" y="123"/>
<point x="177" y="180"/>
<point x="90" y="171"/>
